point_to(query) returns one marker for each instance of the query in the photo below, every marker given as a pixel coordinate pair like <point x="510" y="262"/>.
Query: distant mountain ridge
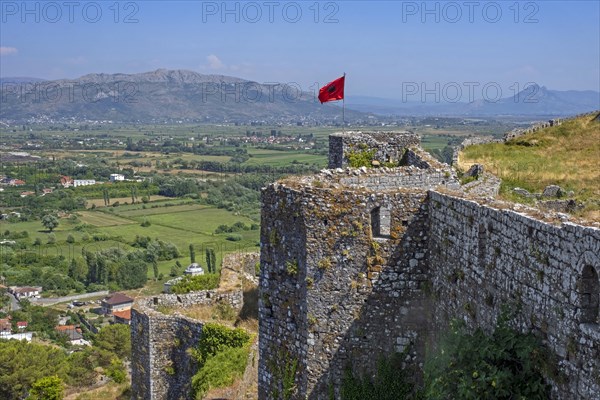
<point x="20" y="79"/>
<point x="165" y="95"/>
<point x="533" y="100"/>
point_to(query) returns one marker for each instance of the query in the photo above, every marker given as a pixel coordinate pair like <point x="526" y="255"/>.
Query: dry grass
<point x="110" y="391"/>
<point x="567" y="155"/>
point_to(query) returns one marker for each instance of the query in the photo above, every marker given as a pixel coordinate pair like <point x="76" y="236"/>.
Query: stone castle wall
<point x="313" y="314"/>
<point x="387" y="146"/>
<point x="162" y="366"/>
<point x="482" y="258"/>
<point x="353" y="269"/>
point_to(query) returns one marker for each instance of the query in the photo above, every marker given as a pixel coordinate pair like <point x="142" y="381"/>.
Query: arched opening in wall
<point x="380" y="222"/>
<point x="589" y="295"/>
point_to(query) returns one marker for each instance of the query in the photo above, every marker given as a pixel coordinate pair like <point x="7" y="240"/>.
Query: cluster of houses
<point x="6" y="331"/>
<point x="117" y="305"/>
<point x="67" y="181"/>
<point x="11" y="181"/>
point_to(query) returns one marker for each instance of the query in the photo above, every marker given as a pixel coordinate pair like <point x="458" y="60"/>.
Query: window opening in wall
<point x="380" y="222"/>
<point x="589" y="295"/>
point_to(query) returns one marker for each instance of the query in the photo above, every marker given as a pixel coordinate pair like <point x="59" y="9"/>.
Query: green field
<point x="280" y="157"/>
<point x="140" y="212"/>
<point x="101" y="219"/>
<point x="181" y="225"/>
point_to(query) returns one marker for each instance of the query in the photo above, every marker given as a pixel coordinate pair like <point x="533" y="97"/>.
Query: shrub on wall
<point x="504" y="365"/>
<point x="195" y="283"/>
<point x="222" y="354"/>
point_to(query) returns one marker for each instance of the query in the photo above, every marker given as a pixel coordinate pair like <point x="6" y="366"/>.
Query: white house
<point x="26" y="292"/>
<point x="117" y="178"/>
<point x="83" y="182"/>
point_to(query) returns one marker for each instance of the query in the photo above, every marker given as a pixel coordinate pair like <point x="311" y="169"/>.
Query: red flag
<point x="332" y="91"/>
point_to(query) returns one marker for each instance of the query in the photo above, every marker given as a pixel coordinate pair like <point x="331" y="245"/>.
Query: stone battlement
<point x="386" y="147"/>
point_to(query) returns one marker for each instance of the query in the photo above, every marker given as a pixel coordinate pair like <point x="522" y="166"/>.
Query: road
<point x="55" y="300"/>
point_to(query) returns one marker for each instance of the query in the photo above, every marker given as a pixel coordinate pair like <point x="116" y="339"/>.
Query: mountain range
<point x="534" y="100"/>
<point x="163" y="95"/>
<point x="181" y="95"/>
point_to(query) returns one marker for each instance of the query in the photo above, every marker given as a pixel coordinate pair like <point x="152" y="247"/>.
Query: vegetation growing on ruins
<point x="222" y="354"/>
<point x="391" y="382"/>
<point x="504" y="365"/>
<point x="194" y="283"/>
<point x="360" y="158"/>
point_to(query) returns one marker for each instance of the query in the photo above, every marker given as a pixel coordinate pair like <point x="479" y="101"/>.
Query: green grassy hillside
<point x="567" y="155"/>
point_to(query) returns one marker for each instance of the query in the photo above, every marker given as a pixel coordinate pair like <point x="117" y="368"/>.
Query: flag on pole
<point x="333" y="91"/>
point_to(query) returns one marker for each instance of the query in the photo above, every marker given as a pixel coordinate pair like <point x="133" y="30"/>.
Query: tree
<point x="70" y="239"/>
<point x="105" y="196"/>
<point x="155" y="269"/>
<point x="211" y="263"/>
<point x="133" y="194"/>
<point x="115" y="338"/>
<point x="78" y="270"/>
<point x="192" y="254"/>
<point x="48" y="388"/>
<point x="50" y="222"/>
<point x="25" y="363"/>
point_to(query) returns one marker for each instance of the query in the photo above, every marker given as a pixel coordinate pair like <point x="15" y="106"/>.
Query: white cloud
<point x="6" y="51"/>
<point x="214" y="62"/>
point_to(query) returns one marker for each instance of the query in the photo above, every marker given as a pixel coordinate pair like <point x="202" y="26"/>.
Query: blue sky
<point x="381" y="45"/>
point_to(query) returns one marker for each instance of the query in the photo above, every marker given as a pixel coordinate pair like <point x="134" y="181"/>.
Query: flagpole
<point x="344" y="106"/>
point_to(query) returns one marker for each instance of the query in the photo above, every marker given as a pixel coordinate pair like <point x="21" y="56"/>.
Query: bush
<point x="391" y="382"/>
<point x="216" y="338"/>
<point x="195" y="283"/>
<point x="146" y="223"/>
<point x="220" y="370"/>
<point x="234" y="237"/>
<point x="504" y="365"/>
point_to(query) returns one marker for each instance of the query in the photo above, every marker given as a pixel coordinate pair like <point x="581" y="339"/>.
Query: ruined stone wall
<point x="482" y="258"/>
<point x="327" y="285"/>
<point x="332" y="295"/>
<point x="207" y="297"/>
<point x="161" y="364"/>
<point x="387" y="146"/>
<point x="401" y="178"/>
<point x="283" y="326"/>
